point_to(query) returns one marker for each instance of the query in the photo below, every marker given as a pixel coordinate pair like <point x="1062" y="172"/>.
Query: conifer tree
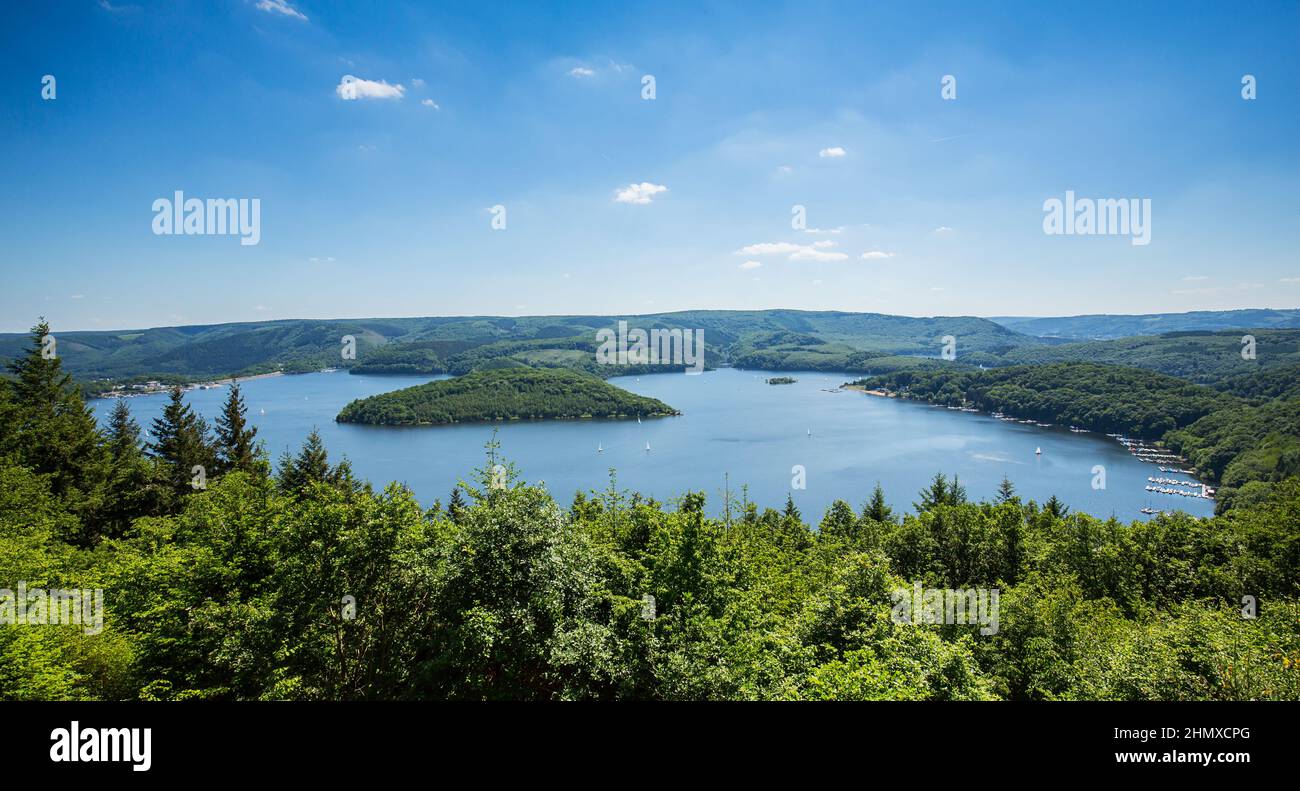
<point x="456" y="505"/>
<point x="181" y="443"/>
<point x="311" y="465"/>
<point x="236" y="440"/>
<point x="123" y="432"/>
<point x="877" y="508"/>
<point x="1006" y="491"/>
<point x="791" y="512"/>
<point x="55" y="431"/>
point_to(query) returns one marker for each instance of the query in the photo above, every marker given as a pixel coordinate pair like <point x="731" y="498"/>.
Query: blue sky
<point x="380" y="206"/>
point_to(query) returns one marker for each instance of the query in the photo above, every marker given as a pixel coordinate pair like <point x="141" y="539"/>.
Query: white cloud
<point x="943" y="229"/>
<point x="770" y="248"/>
<point x="1289" y="280"/>
<point x="840" y="229"/>
<point x="834" y="152"/>
<point x="280" y="7"/>
<point x="430" y="103"/>
<point x="797" y="252"/>
<point x="351" y="88"/>
<point x="416" y="82"/>
<point x="319" y="260"/>
<point x="809" y="254"/>
<point x="639" y="193"/>
<point x="581" y="71"/>
<point x="876" y="255"/>
<point x="78" y="296"/>
<point x="751" y="265"/>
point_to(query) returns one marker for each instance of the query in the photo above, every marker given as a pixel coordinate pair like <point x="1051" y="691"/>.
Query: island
<point x="503" y="394"/>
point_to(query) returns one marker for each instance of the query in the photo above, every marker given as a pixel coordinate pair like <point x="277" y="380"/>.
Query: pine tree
<point x="55" y="430"/>
<point x="1055" y="507"/>
<point x="877" y="509"/>
<point x="941" y="492"/>
<point x="236" y="446"/>
<point x="181" y="444"/>
<point x="312" y="465"/>
<point x="132" y="489"/>
<point x="1007" y="491"/>
<point x="456" y="505"/>
<point x="791" y="512"/>
<point x="123" y="433"/>
<point x="935" y="494"/>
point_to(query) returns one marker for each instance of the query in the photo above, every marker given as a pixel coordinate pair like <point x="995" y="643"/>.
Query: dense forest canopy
<point x="297" y="581"/>
<point x="503" y="394"/>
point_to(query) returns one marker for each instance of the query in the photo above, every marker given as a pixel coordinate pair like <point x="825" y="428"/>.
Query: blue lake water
<point x="735" y="429"/>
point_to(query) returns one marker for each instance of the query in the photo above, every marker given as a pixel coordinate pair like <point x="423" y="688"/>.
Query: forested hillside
<point x="1213" y="359"/>
<point x="308" y="584"/>
<point x="460" y="344"/>
<point x="1244" y="445"/>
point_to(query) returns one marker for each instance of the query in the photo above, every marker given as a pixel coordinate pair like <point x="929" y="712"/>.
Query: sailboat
<point x="263" y="412"/>
<point x="1038" y="451"/>
<point x="647" y="447"/>
<point x="599" y="448"/>
<point x="810" y="432"/>
<point x="638" y="420"/>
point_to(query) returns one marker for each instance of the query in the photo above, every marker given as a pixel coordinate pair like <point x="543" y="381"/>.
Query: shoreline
<point x="860" y="389"/>
<point x="128" y="392"/>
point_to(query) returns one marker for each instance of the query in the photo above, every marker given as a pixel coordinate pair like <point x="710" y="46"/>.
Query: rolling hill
<point x="503" y="394"/>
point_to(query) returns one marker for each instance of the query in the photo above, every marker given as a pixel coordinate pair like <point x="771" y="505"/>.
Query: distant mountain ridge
<point x="826" y="340"/>
<point x="1107" y="326"/>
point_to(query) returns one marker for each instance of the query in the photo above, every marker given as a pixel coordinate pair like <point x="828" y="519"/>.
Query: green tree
<point x="181" y="445"/>
<point x="54" y="429"/>
<point x="236" y="440"/>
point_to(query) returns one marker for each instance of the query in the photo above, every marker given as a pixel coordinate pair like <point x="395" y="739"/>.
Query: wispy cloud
<point x="430" y="103"/>
<point x="943" y="229"/>
<point x="876" y="255"/>
<point x="751" y="265"/>
<point x="351" y="88"/>
<point x="1289" y="280"/>
<point x="581" y="71"/>
<point x="280" y="7"/>
<point x="1196" y="277"/>
<point x="639" y="193"/>
<point x="817" y="251"/>
<point x="834" y="152"/>
<point x="118" y="9"/>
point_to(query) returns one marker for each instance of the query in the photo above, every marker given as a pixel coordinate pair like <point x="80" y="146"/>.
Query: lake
<point x="735" y="430"/>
